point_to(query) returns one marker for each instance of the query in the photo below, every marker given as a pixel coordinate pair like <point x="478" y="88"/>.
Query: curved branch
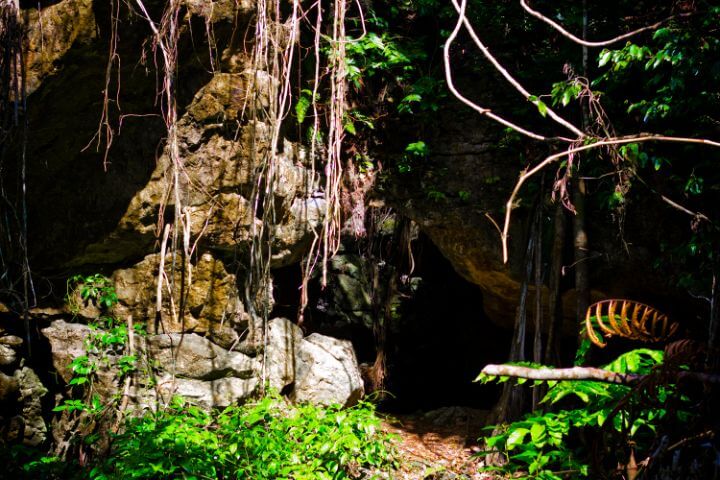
<point x="467" y="101"/>
<point x="526" y="174"/>
<point x="602" y="43"/>
<point x="550" y="112"/>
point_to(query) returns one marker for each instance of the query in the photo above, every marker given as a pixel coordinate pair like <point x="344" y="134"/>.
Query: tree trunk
<point x="712" y="356"/>
<point x="552" y="348"/>
<point x="537" y="338"/>
<point x="580" y="241"/>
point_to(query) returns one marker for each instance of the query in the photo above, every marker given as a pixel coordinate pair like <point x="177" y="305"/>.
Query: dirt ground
<point x="439" y="445"/>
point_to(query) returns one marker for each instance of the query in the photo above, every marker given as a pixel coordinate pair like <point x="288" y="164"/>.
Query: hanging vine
<point x="13" y="198"/>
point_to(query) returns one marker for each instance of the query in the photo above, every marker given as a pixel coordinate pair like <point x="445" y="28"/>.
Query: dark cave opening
<point x="444" y="340"/>
<point x="437" y="341"/>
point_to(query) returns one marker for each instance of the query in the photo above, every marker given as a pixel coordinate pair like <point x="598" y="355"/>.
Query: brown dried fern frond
<point x="627" y="319"/>
<point x="691" y="353"/>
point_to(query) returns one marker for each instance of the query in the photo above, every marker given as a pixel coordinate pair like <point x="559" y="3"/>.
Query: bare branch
<point x="676" y="205"/>
<point x="550" y="112"/>
<point x="574" y="373"/>
<point x="602" y="43"/>
<point x="526" y="174"/>
<point x="587" y="373"/>
<point x="465" y="100"/>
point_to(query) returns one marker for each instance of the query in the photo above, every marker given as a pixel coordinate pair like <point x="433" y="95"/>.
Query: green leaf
<point x="350" y="128"/>
<point x="538" y="433"/>
<point x="516" y="438"/>
<point x="604" y="58"/>
<point x="301" y="108"/>
<point x="542" y="108"/>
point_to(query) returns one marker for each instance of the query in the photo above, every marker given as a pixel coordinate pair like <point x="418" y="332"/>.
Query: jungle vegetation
<point x="604" y="107"/>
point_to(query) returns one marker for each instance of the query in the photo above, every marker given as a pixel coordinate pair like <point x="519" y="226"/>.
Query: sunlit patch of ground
<point x="439" y="445"/>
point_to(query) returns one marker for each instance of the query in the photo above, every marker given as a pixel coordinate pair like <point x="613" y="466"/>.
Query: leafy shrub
<point x="551" y="446"/>
<point x="265" y="440"/>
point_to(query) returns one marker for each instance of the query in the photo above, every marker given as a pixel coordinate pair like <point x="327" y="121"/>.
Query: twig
<point x="602" y="43"/>
<point x="467" y="101"/>
<point x="511" y="80"/>
<point x="526" y="174"/>
<point x="128" y="378"/>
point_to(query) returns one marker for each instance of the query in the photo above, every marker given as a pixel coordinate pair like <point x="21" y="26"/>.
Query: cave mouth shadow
<point x="436" y="343"/>
<point x="443" y="341"/>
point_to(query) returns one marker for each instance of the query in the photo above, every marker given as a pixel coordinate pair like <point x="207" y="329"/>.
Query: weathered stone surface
<point x="326" y="372"/>
<point x="294" y="234"/>
<point x="22" y="420"/>
<point x="7" y="355"/>
<point x="348" y="300"/>
<point x="212" y="393"/>
<point x="8" y="386"/>
<point x="11" y="341"/>
<point x="219" y="10"/>
<point x="282" y="343"/>
<point x="51" y="32"/>
<point x="213" y="306"/>
<point x="67" y="341"/>
<point x="192" y="356"/>
<point x="220" y="162"/>
<point x="31" y="393"/>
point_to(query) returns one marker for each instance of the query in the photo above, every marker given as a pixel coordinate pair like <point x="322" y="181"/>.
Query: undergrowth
<point x="585" y="427"/>
<point x="269" y="439"/>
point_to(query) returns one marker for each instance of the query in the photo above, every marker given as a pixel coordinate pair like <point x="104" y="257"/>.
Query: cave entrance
<point x="437" y="340"/>
<point x="442" y="340"/>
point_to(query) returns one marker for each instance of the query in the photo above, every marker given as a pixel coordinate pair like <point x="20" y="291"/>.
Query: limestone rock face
<point x="208" y="394"/>
<point x="213" y="306"/>
<point x="326" y="372"/>
<point x="192" y="356"/>
<point x="8" y="356"/>
<point x="283" y="340"/>
<point x="187" y="364"/>
<point x="50" y="34"/>
<point x="21" y="420"/>
<point x="212" y="353"/>
<point x="31" y="393"/>
<point x="219" y="169"/>
<point x="67" y="341"/>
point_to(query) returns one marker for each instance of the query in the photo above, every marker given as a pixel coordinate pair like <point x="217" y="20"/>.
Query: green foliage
<point x="265" y="440"/>
<point x="380" y="53"/>
<point x="546" y="445"/>
<point x="105" y="347"/>
<point x="424" y="96"/>
<point x="413" y="151"/>
<point x="94" y="288"/>
<point x="564" y="92"/>
<point x="303" y="104"/>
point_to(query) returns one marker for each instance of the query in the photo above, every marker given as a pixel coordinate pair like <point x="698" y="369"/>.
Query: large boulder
<point x="282" y="342"/>
<point x="67" y="342"/>
<point x="192" y="356"/>
<point x="326" y="372"/>
<point x="218" y="393"/>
